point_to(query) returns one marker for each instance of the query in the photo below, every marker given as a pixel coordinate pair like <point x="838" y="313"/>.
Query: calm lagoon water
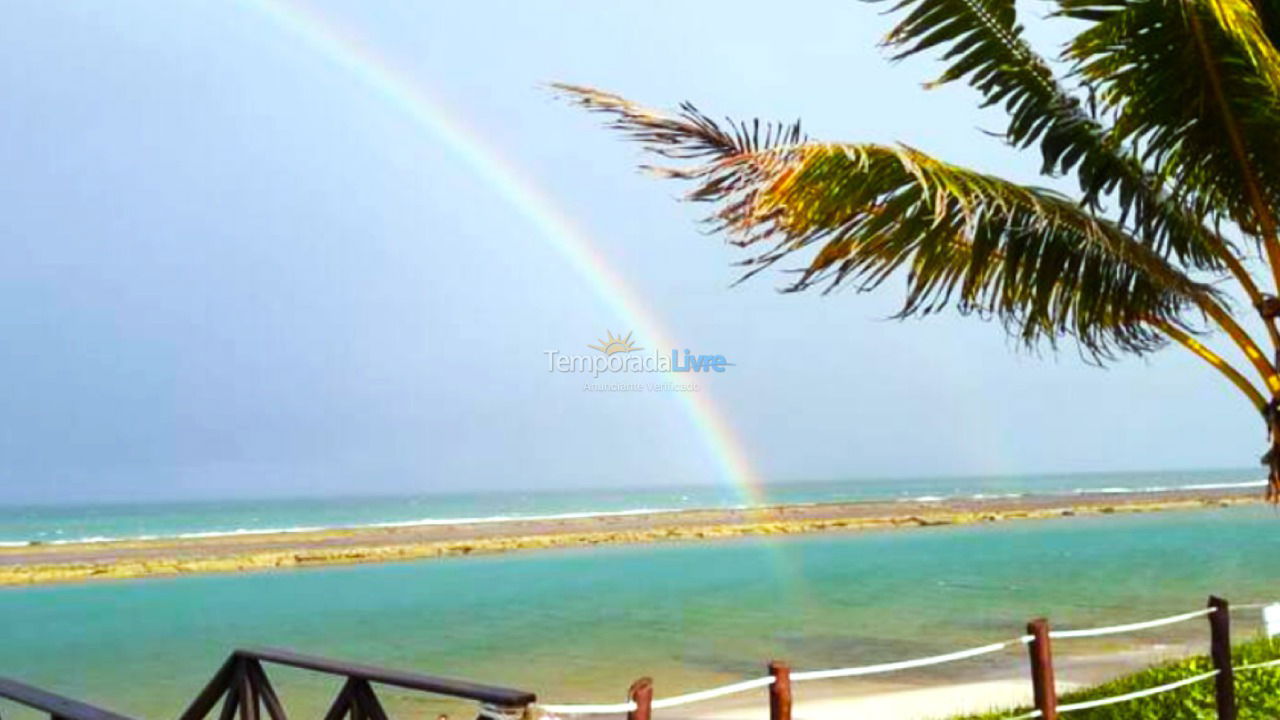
<point x="579" y="625"/>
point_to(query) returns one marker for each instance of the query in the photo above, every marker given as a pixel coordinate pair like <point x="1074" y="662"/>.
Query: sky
<point x="231" y="265"/>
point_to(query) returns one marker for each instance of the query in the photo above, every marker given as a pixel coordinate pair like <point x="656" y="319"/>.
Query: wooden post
<point x="248" y="698"/>
<point x="229" y="706"/>
<point x="1046" y="695"/>
<point x="218" y="686"/>
<point x="263" y="689"/>
<point x="780" y="691"/>
<point x="344" y="703"/>
<point x="641" y="693"/>
<point x="1220" y="653"/>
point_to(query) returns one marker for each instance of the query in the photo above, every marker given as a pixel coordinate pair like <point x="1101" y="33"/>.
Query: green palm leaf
<point x="1027" y="256"/>
<point x="984" y="45"/>
<point x="1196" y="85"/>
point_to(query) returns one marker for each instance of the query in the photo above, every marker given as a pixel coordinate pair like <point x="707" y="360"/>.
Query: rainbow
<point x="523" y="194"/>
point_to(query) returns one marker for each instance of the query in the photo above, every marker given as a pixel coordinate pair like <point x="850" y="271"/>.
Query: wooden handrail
<point x="59" y="707"/>
<point x="243" y="688"/>
<point x="493" y="695"/>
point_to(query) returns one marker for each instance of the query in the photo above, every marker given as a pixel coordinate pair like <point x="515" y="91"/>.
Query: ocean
<point x="64" y="523"/>
<point x="578" y="625"/>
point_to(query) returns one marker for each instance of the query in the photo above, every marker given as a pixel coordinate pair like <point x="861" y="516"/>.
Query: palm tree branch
<point x="1032" y="258"/>
<point x="986" y="47"/>
<point x="1244" y="22"/>
<point x="1195" y="84"/>
<point x="1262" y="211"/>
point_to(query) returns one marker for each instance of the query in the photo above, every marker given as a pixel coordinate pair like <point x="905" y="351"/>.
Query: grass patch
<point x="1257" y="691"/>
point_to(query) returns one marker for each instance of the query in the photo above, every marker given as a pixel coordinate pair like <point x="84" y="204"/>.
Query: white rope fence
<point x="599" y="709"/>
<point x="902" y="664"/>
<point x="1256" y="666"/>
<point x="1131" y="627"/>
<point x="762" y="682"/>
<point x="712" y="693"/>
<point x="744" y="686"/>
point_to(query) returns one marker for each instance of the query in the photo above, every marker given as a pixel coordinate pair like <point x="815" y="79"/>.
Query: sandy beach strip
<point x="250" y="552"/>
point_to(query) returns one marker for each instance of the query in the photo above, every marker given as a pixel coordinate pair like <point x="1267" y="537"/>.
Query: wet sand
<point x="254" y="552"/>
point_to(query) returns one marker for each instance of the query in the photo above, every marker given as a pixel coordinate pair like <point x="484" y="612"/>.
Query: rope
<point x="1255" y="666"/>
<point x="496" y="712"/>
<point x="614" y="709"/>
<point x="745" y="685"/>
<point x="694" y="697"/>
<point x="1113" y="629"/>
<point x="902" y="664"/>
<point x="1136" y="694"/>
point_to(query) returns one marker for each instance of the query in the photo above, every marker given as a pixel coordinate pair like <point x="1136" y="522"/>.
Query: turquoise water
<point x="579" y="625"/>
<point x="68" y="523"/>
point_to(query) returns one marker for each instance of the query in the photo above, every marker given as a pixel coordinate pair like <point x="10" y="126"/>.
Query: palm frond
<point x="1242" y="22"/>
<point x="984" y="45"/>
<point x="1027" y="256"/>
<point x="1269" y="16"/>
<point x="1196" y="85"/>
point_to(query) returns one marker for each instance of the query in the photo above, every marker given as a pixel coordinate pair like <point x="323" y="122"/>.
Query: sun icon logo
<point x="612" y="345"/>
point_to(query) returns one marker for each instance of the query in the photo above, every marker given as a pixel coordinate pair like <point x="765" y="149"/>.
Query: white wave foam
<point x="1121" y="490"/>
<point x="517" y="518"/>
<point x="508" y="518"/>
<point x="422" y="522"/>
<point x="236" y="532"/>
<point x="1224" y="486"/>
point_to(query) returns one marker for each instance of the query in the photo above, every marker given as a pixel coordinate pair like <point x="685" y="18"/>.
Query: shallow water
<point x="579" y="625"/>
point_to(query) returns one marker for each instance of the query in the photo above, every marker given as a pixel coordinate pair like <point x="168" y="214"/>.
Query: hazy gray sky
<point x="229" y="266"/>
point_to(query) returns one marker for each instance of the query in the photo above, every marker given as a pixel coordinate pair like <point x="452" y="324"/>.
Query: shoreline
<point x="123" y="559"/>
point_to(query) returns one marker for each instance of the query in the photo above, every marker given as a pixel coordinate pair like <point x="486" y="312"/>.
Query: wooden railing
<point x="241" y="684"/>
<point x="58" y="707"/>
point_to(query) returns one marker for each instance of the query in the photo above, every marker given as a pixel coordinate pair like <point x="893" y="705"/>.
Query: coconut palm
<point x="1166" y="113"/>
